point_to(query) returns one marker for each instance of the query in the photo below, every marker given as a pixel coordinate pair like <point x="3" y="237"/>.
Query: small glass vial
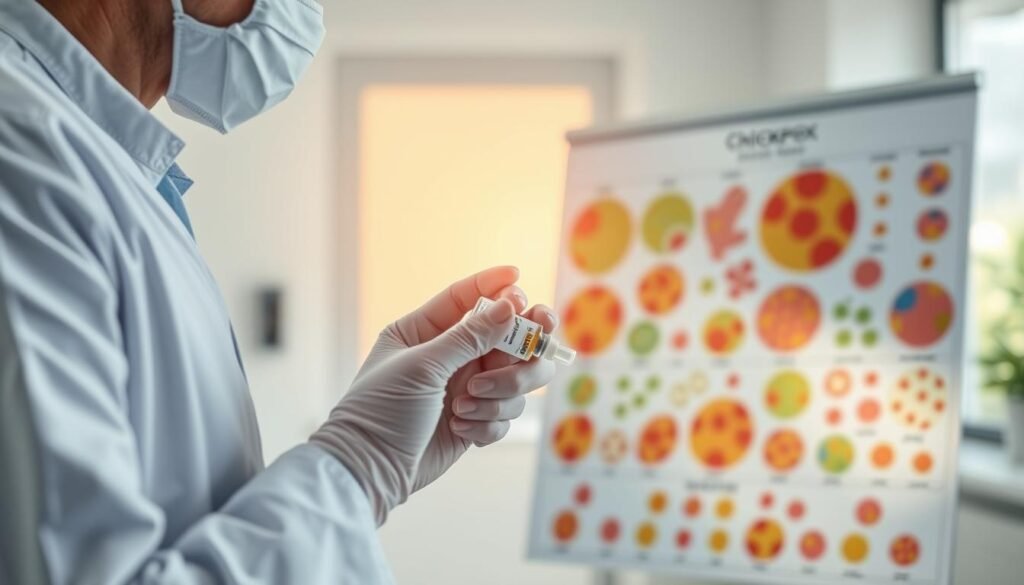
<point x="526" y="339"/>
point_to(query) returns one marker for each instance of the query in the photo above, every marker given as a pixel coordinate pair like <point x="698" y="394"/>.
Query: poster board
<point x="768" y="306"/>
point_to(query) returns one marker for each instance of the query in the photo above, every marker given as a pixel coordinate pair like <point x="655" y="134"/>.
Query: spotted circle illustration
<point x="573" y="438"/>
<point x="812" y="545"/>
<point x="932" y="224"/>
<point x="592" y="319"/>
<point x="668" y="223"/>
<point x="835" y="454"/>
<point x="582" y="390"/>
<point x="721" y="433"/>
<point x="600" y="236"/>
<point x="933" y="179"/>
<point x="765" y="539"/>
<point x="661" y="289"/>
<point x="787" y="394"/>
<point x="723" y="332"/>
<point x="644" y="338"/>
<point x="657" y="440"/>
<point x="905" y="550"/>
<point x="613" y="446"/>
<point x="788" y="318"/>
<point x="565" y="526"/>
<point x="783" y="450"/>
<point x="808" y="221"/>
<point x="918" y="398"/>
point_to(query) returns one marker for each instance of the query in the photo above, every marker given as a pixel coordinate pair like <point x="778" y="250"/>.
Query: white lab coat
<point x="129" y="451"/>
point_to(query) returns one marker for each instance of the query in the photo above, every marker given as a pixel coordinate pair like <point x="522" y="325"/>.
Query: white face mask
<point x="222" y="77"/>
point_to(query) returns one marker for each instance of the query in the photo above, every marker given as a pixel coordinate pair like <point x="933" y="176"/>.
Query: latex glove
<point x="395" y="429"/>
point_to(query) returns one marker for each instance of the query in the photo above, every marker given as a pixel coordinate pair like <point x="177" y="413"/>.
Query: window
<point x="988" y="36"/>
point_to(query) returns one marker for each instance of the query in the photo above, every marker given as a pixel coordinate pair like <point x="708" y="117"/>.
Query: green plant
<point x="1002" y="356"/>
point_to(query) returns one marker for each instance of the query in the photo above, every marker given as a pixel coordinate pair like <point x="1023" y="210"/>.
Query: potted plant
<point x="1004" y="371"/>
<point x="1002" y="359"/>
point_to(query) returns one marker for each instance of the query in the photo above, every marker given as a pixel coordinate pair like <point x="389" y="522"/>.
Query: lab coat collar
<point x="151" y="144"/>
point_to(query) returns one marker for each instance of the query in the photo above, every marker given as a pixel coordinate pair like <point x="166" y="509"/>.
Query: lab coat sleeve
<point x="73" y="508"/>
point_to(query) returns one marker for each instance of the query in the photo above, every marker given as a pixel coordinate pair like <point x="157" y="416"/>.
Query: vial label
<point x="521" y="340"/>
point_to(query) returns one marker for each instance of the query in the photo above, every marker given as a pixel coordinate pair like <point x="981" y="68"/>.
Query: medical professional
<point x="129" y="451"/>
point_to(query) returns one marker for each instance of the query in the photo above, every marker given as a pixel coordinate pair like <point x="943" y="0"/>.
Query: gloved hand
<point x="431" y="387"/>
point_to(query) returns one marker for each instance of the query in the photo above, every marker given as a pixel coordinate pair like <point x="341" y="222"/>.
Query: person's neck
<point x="132" y="40"/>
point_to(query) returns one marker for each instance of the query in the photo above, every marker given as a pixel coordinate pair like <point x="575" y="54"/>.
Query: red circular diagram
<point x="869" y="512"/>
<point x="610" y="531"/>
<point x="788" y="318"/>
<point x="657" y="440"/>
<point x="921" y="314"/>
<point x="582" y="495"/>
<point x="808" y="221"/>
<point x="573" y="438"/>
<point x="867" y="274"/>
<point x="812" y="545"/>
<point x="905" y="550"/>
<point x="932" y="224"/>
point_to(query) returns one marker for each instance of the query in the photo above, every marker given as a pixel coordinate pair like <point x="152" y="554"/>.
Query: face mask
<point x="222" y="77"/>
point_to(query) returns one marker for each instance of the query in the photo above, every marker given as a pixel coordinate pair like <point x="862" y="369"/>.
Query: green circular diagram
<point x="787" y="394"/>
<point x="643" y="338"/>
<point x="835" y="454"/>
<point x="582" y="390"/>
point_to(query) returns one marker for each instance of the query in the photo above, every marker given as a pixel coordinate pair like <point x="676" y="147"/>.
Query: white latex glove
<point x="431" y="387"/>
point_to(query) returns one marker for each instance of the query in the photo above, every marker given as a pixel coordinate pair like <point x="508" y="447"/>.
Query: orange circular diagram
<point x="721" y="433"/>
<point x="565" y="526"/>
<point x="918" y="398"/>
<point x="905" y="550"/>
<point x="783" y="450"/>
<point x="600" y="236"/>
<point x="765" y="539"/>
<point x="808" y="221"/>
<point x="573" y="437"/>
<point x="661" y="289"/>
<point x="788" y="318"/>
<point x="723" y="332"/>
<point x="591" y="320"/>
<point x="657" y="440"/>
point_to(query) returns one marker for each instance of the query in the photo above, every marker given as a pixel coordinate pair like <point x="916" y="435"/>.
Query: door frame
<point x="354" y="74"/>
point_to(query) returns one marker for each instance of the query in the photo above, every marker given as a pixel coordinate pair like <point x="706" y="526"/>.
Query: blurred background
<point x="427" y="143"/>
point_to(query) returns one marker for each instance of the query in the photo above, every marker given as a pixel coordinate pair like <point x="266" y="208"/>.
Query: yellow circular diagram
<point x="721" y="433"/>
<point x="591" y="320"/>
<point x="600" y="236"/>
<point x="808" y="221"/>
<point x="787" y="394"/>
<point x="855" y="548"/>
<point x="668" y="222"/>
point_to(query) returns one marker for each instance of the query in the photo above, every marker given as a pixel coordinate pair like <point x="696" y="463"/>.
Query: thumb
<point x="470" y="338"/>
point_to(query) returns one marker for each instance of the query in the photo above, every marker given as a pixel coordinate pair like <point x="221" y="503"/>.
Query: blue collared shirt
<point x="129" y="450"/>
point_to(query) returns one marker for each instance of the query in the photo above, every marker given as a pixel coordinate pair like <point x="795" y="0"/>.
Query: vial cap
<point x="564" y="355"/>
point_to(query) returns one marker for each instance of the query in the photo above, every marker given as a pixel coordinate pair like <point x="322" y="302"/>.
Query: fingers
<point x="467" y="340"/>
<point x="481" y="433"/>
<point x="514" y="380"/>
<point x="486" y="410"/>
<point x="448" y="307"/>
<point x="540" y="314"/>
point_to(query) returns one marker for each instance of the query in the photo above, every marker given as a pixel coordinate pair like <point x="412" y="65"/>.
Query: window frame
<point x="945" y="30"/>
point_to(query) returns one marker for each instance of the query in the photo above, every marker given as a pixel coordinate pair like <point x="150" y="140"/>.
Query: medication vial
<point x="526" y="339"/>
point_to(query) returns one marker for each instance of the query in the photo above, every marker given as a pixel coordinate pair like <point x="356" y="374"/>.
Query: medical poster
<point x="768" y="308"/>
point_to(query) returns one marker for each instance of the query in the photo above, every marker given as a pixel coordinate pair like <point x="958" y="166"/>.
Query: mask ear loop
<point x="177" y="7"/>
